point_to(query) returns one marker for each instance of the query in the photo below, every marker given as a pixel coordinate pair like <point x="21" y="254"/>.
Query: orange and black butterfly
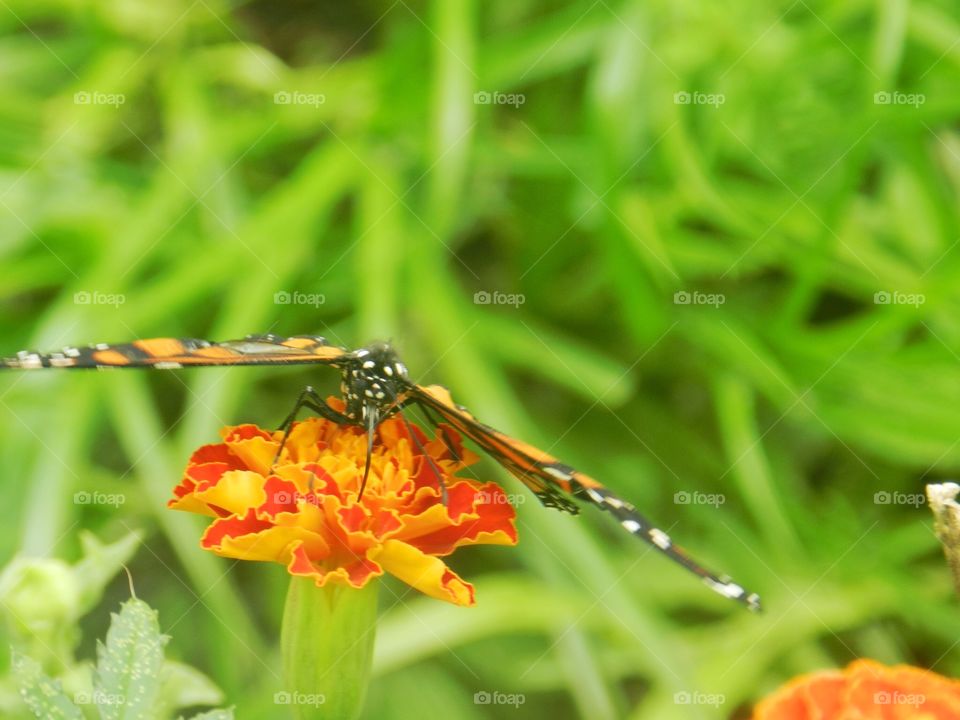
<point x="375" y="385"/>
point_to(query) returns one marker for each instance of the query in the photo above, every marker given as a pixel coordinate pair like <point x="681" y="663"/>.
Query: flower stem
<point x="327" y="647"/>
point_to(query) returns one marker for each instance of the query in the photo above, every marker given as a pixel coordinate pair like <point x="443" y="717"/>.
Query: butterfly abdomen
<point x="173" y="353"/>
<point x="158" y="353"/>
<point x="26" y="360"/>
<point x="636" y="524"/>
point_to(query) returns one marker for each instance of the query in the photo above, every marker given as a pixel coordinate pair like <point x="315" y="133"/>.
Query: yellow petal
<point x="235" y="491"/>
<point x="189" y="503"/>
<point x="426" y="573"/>
<point x="274" y="544"/>
<point x="256" y="453"/>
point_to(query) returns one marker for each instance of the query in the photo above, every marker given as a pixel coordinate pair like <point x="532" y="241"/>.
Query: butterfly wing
<point x="171" y="353"/>
<point x="512" y="454"/>
<point x="554" y="482"/>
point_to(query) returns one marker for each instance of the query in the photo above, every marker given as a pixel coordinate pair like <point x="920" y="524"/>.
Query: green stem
<point x="327" y="646"/>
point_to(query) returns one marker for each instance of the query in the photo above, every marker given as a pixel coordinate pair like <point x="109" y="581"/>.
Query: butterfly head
<point x="373" y="378"/>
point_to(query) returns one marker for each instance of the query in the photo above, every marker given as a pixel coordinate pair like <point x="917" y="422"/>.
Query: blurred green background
<point x="733" y="230"/>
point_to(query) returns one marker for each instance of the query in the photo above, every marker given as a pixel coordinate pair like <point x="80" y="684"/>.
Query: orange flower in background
<point x="865" y="690"/>
<point x="304" y="511"/>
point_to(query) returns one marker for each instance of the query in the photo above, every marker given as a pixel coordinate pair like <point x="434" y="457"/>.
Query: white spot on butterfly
<point x="631" y="525"/>
<point x="595" y="496"/>
<point x="659" y="538"/>
<point x="729" y="589"/>
<point x="167" y="365"/>
<point x="614" y="502"/>
<point x="557" y="472"/>
<point x="30" y="361"/>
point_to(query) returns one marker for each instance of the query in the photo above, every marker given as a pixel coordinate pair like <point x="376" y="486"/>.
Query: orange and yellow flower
<point x="865" y="690"/>
<point x="305" y="512"/>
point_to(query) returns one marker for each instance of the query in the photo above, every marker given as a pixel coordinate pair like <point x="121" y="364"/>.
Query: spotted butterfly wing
<point x="169" y="353"/>
<point x="554" y="483"/>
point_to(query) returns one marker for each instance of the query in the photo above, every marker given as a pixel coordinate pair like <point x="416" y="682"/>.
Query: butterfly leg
<point x="397" y="409"/>
<point x="426" y="455"/>
<point x="432" y="419"/>
<point x="312" y="401"/>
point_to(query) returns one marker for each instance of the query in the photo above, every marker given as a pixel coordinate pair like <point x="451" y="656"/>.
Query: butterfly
<point x="375" y="385"/>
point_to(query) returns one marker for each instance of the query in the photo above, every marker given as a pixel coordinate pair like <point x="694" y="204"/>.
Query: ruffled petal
<point x="216" y="453"/>
<point x="487" y="519"/>
<point x="248" y="538"/>
<point x="254" y="447"/>
<point x="234" y="491"/>
<point x="355" y="573"/>
<point x="426" y="573"/>
<point x="306" y="512"/>
<point x="865" y="689"/>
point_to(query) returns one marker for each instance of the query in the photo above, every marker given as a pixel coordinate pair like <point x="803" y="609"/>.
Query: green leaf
<point x="184" y="686"/>
<point x="127" y="680"/>
<point x="556" y="356"/>
<point x="42" y="694"/>
<point x="100" y="564"/>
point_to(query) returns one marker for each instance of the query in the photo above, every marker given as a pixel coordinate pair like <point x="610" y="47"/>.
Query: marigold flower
<point x="865" y="690"/>
<point x="305" y="512"/>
